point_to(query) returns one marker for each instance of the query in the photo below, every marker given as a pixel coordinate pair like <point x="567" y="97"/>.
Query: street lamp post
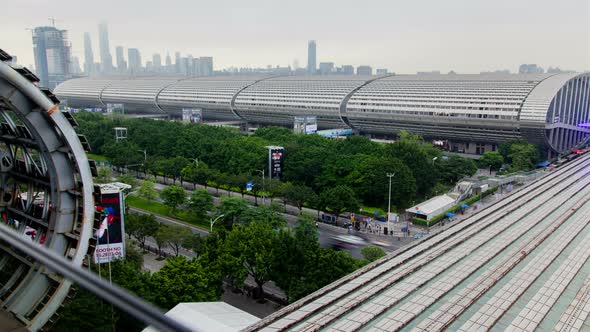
<point x="212" y="221"/>
<point x="262" y="171"/>
<point x="389" y="175"/>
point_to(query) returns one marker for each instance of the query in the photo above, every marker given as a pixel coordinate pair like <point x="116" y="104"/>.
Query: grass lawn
<point x="97" y="157"/>
<point x="367" y="210"/>
<point x="163" y="210"/>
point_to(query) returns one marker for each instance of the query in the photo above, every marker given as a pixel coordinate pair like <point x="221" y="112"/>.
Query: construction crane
<point x="52" y="19"/>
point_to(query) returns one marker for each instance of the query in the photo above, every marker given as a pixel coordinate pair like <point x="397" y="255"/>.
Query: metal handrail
<point x="120" y="298"/>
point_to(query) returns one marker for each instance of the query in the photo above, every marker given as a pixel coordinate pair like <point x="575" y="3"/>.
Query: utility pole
<point x="262" y="171"/>
<point x="389" y="175"/>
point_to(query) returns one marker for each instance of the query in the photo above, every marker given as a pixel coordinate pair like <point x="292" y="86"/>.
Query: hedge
<point x="453" y="209"/>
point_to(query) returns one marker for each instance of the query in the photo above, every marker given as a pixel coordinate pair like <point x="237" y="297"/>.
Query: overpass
<point x="520" y="264"/>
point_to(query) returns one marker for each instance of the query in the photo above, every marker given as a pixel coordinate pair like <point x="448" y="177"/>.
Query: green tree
<point x="88" y="312"/>
<point x="492" y="160"/>
<point x="161" y="237"/>
<point x="147" y="190"/>
<point x="193" y="242"/>
<point x="128" y="179"/>
<point x="250" y="248"/>
<point x="372" y="253"/>
<point x="173" y="196"/>
<point x="184" y="280"/>
<point x="141" y="226"/>
<point x="455" y="168"/>
<point x="175" y="237"/>
<point x="105" y="175"/>
<point x="413" y="155"/>
<point x="232" y="209"/>
<point x="297" y="194"/>
<point x="196" y="173"/>
<point x="339" y="199"/>
<point x="123" y="153"/>
<point x="268" y="214"/>
<point x="372" y="184"/>
<point x="173" y="167"/>
<point x="201" y="202"/>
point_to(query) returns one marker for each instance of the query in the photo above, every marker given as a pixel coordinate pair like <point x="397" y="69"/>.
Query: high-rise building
<point x="106" y="60"/>
<point x="206" y="66"/>
<point x="177" y="62"/>
<point x="52" y="56"/>
<point x="326" y="68"/>
<point x="121" y="63"/>
<point x="347" y="70"/>
<point x="382" y="71"/>
<point x="88" y="55"/>
<point x="134" y="59"/>
<point x="197" y="67"/>
<point x="530" y="69"/>
<point x="364" y="70"/>
<point x="168" y="63"/>
<point x="183" y="66"/>
<point x="157" y="62"/>
<point x="311" y="57"/>
<point x="75" y="66"/>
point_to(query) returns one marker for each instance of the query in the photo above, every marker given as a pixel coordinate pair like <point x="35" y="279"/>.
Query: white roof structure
<point x="432" y="207"/>
<point x="487" y="108"/>
<point x="210" y="317"/>
<point x="113" y="187"/>
<point x="520" y="264"/>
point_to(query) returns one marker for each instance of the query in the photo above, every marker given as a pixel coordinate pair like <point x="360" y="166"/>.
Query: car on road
<point x="342" y="242"/>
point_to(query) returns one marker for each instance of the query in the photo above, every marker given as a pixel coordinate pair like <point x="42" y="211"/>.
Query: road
<point x="327" y="232"/>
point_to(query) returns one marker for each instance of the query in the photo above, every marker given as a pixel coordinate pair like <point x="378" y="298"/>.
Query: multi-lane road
<point x="520" y="264"/>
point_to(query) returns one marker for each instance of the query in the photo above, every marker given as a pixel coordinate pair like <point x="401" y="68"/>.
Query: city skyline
<point x="458" y="35"/>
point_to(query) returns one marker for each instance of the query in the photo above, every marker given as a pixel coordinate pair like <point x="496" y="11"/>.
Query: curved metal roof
<point x="484" y="107"/>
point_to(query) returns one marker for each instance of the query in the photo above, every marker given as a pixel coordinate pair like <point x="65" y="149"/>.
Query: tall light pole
<point x="389" y="175"/>
<point x="144" y="154"/>
<point x="262" y="171"/>
<point x="434" y="159"/>
<point x="212" y="221"/>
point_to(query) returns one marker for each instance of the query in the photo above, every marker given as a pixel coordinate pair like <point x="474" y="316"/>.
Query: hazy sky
<point x="467" y="36"/>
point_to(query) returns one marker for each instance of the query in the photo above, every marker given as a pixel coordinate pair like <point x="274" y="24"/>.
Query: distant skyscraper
<point x="88" y="55"/>
<point x="364" y="70"/>
<point x="197" y="67"/>
<point x="121" y="63"/>
<point x="348" y="70"/>
<point x="530" y="69"/>
<point x="326" y="68"/>
<point x="52" y="56"/>
<point x="75" y="66"/>
<point x="157" y="62"/>
<point x="382" y="71"/>
<point x="206" y="65"/>
<point x="311" y="57"/>
<point x="134" y="59"/>
<point x="177" y="62"/>
<point x="169" y="67"/>
<point x="106" y="60"/>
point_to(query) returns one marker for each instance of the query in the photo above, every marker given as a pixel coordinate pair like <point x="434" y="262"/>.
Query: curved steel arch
<point x="232" y="104"/>
<point x="345" y="100"/>
<point x="45" y="185"/>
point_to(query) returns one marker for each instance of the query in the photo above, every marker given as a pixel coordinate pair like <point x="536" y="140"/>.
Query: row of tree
<point x="225" y="158"/>
<point x="292" y="258"/>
